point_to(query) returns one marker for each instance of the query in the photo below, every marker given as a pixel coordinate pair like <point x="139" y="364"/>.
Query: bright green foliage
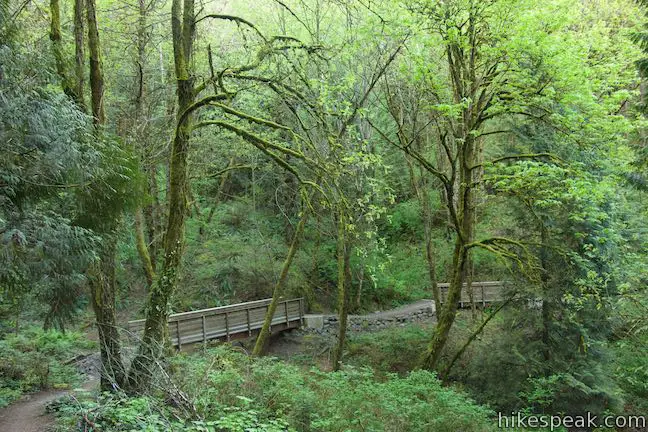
<point x="34" y="360"/>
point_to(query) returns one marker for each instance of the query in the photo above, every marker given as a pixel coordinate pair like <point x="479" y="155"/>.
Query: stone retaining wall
<point x="369" y="323"/>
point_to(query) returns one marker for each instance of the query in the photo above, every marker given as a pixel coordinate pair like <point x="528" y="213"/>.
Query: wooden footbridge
<point x="483" y="293"/>
<point x="229" y="322"/>
<point x="244" y="320"/>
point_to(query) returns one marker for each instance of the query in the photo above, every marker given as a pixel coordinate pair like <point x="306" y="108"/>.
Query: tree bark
<point x="260" y="344"/>
<point x="68" y="84"/>
<point x="144" y="365"/>
<point x="464" y="234"/>
<point x="102" y="286"/>
<point x="446" y="316"/>
<point x="342" y="302"/>
<point x="96" y="72"/>
<point x="142" y="248"/>
<point x="79" y="54"/>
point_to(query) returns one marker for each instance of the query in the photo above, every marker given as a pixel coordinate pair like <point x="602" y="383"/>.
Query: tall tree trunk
<point x="144" y="365"/>
<point x="446" y="316"/>
<point x="70" y="87"/>
<point x="260" y="344"/>
<point x="460" y="259"/>
<point x="142" y="248"/>
<point x="102" y="284"/>
<point x="79" y="54"/>
<point x="342" y="303"/>
<point x="140" y="137"/>
<point x="96" y="72"/>
<point x="546" y="300"/>
<point x="421" y="193"/>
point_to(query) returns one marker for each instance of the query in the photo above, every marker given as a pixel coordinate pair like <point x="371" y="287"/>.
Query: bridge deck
<point x="483" y="292"/>
<point x="228" y="322"/>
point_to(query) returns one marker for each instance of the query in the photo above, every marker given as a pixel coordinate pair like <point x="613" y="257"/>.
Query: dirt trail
<point x="399" y="311"/>
<point x="28" y="414"/>
<point x="392" y="313"/>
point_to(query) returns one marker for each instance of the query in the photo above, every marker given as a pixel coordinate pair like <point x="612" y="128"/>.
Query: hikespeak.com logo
<point x="553" y="422"/>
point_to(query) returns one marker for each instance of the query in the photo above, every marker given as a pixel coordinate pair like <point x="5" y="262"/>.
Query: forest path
<point x="29" y="415"/>
<point x="399" y="311"/>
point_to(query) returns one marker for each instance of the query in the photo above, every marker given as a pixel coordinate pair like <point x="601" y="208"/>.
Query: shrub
<point x="233" y="392"/>
<point x="396" y="349"/>
<point x="311" y="400"/>
<point x="34" y="359"/>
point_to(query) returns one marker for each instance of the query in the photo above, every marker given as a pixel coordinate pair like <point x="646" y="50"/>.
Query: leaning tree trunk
<point x="260" y="344"/>
<point x="342" y="303"/>
<point x="446" y="316"/>
<point x="145" y="363"/>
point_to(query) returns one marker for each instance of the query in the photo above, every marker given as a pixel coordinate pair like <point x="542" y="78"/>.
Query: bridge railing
<point x="226" y="322"/>
<point x="483" y="292"/>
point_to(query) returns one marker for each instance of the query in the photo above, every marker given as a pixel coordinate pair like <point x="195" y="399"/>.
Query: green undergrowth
<point x="233" y="392"/>
<point x="35" y="359"/>
<point x="395" y="349"/>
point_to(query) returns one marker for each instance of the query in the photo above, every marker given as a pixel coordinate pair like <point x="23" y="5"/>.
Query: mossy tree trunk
<point x="259" y="346"/>
<point x="144" y="365"/>
<point x="102" y="281"/>
<point x="142" y="248"/>
<point x="79" y="53"/>
<point x="72" y="83"/>
<point x="342" y="300"/>
<point x="96" y="72"/>
<point x="145" y="247"/>
<point x="102" y="287"/>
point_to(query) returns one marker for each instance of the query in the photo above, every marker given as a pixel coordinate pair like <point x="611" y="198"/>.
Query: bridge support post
<point x="301" y="312"/>
<point x="247" y="314"/>
<point x="178" y="335"/>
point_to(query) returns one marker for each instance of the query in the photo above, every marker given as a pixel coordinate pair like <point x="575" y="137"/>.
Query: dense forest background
<point x="169" y="155"/>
